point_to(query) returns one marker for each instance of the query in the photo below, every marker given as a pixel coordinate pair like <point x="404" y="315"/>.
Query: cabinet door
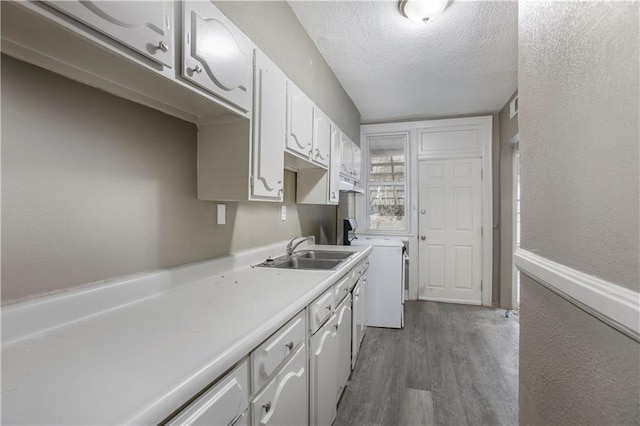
<point x="321" y="138"/>
<point x="285" y="400"/>
<point x="299" y="122"/>
<point x="269" y="121"/>
<point x="144" y="26"/>
<point x="334" y="167"/>
<point x="361" y="322"/>
<point x="223" y="404"/>
<point x="324" y="375"/>
<point x="346" y="157"/>
<point x="344" y="344"/>
<point x="357" y="321"/>
<point x="215" y="54"/>
<point x="357" y="161"/>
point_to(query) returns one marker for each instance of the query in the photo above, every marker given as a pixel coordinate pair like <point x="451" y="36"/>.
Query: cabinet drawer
<point x="320" y="309"/>
<point x="342" y="288"/>
<point x="223" y="404"/>
<point x="285" y="399"/>
<point x="267" y="357"/>
<point x="360" y="269"/>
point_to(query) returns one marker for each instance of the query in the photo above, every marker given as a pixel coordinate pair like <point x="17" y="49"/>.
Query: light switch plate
<point x="222" y="214"/>
<point x="283" y="213"/>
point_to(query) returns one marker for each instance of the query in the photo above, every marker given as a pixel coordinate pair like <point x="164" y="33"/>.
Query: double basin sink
<point x="309" y="259"/>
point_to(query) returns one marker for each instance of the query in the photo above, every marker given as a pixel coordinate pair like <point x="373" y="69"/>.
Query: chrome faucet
<point x="291" y="247"/>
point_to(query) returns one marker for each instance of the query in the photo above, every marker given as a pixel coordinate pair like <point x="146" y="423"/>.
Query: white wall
<point x="579" y="142"/>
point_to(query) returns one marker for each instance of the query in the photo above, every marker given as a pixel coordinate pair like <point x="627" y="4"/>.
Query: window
<point x="386" y="190"/>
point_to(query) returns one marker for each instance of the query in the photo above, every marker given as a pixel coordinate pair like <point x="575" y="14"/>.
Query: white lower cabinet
<point x="344" y="344"/>
<point x="294" y="381"/>
<point x="358" y="319"/>
<point x="284" y="400"/>
<point x="324" y="379"/>
<point x="224" y="404"/>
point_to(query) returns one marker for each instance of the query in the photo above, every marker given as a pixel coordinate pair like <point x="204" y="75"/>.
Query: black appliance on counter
<point x="349" y="226"/>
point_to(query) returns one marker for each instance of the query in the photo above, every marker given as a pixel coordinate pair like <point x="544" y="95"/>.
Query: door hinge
<point x="481" y="173"/>
<point x="480" y="285"/>
<point x="482" y="231"/>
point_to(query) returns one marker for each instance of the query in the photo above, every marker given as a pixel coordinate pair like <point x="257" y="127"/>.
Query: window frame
<point x="405" y="183"/>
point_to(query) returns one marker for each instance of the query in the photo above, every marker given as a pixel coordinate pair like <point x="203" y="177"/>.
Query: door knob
<point x="423" y="211"/>
<point x="423" y="237"/>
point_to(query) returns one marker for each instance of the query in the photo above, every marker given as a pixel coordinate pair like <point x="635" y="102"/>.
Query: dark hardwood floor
<point x="450" y="365"/>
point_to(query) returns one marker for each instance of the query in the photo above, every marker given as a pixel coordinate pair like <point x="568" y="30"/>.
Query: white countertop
<point x="138" y="362"/>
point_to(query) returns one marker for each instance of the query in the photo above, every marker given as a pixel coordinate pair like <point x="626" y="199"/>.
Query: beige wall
<point x="275" y="29"/>
<point x="579" y="131"/>
<point x="95" y="187"/>
<point x="575" y="368"/>
<point x="508" y="129"/>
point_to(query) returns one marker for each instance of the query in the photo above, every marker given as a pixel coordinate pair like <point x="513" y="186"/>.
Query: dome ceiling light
<point x="423" y="11"/>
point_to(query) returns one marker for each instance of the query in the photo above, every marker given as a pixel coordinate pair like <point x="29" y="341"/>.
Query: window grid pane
<point x="386" y="183"/>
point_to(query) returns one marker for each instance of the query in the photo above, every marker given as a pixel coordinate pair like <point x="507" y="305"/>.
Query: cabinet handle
<point x="289" y="345"/>
<point x="346" y="290"/>
<point x="163" y="46"/>
<point x="329" y="308"/>
<point x="310" y="152"/>
<point x="267" y="406"/>
<point x="197" y="68"/>
<point x="333" y="194"/>
<point x="336" y="327"/>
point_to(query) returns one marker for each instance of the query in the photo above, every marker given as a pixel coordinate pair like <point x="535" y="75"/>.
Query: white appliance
<point x="384" y="292"/>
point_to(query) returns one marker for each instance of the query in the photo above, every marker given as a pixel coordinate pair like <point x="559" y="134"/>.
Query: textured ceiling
<point x="463" y="63"/>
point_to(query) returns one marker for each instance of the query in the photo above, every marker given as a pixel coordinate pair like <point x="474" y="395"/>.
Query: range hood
<point x="346" y="186"/>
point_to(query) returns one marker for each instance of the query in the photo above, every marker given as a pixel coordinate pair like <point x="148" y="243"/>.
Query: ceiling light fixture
<point x="423" y="11"/>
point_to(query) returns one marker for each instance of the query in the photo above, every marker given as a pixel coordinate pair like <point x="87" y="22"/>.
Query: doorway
<point x="450" y="230"/>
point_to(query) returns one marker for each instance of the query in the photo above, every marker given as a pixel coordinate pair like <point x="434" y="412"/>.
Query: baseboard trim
<point x="615" y="305"/>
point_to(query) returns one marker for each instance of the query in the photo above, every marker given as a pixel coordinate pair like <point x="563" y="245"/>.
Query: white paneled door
<point x="450" y="224"/>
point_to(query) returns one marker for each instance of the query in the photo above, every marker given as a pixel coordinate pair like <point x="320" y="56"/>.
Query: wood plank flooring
<point x="450" y="365"/>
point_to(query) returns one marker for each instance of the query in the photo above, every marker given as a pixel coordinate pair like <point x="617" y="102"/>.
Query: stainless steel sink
<point x="321" y="254"/>
<point x="302" y="263"/>
<point x="309" y="259"/>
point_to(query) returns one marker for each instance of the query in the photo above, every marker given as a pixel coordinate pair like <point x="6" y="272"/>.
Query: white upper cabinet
<point x="351" y="159"/>
<point x="145" y="26"/>
<point x="321" y="138"/>
<point x="346" y="156"/>
<point x="299" y="122"/>
<point x="334" y="168"/>
<point x="215" y="54"/>
<point x="357" y="162"/>
<point x="269" y="128"/>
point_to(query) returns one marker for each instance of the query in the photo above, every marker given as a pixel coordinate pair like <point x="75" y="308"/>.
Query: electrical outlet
<point x="283" y="213"/>
<point x="222" y="214"/>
